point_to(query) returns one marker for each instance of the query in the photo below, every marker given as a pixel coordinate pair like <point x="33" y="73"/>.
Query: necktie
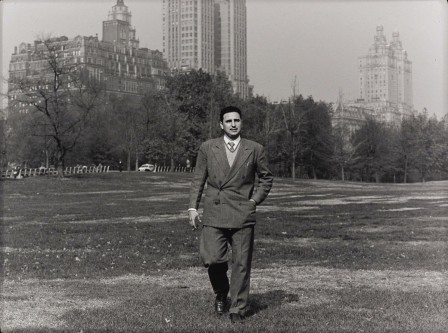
<point x="231" y="145"/>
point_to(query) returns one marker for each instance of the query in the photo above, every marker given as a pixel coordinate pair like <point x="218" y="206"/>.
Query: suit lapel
<point x="243" y="153"/>
<point x="219" y="151"/>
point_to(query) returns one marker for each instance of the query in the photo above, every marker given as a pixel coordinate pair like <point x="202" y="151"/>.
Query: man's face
<point x="231" y="124"/>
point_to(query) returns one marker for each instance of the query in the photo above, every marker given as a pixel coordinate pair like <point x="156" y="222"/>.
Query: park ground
<point x="114" y="253"/>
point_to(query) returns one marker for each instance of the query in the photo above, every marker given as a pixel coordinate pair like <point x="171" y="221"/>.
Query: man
<point x="229" y="165"/>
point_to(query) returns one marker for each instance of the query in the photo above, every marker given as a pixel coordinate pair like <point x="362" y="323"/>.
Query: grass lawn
<point x="114" y="253"/>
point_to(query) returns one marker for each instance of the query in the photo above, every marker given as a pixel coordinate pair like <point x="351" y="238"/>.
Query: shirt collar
<point x="236" y="141"/>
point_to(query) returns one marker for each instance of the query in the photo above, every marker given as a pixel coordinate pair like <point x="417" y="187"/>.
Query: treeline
<point x="166" y="127"/>
<point x="416" y="150"/>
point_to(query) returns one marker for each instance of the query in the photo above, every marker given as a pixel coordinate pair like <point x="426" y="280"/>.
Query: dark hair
<point x="228" y="109"/>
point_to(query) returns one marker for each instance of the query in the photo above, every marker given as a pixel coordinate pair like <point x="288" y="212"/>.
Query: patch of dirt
<point x="12" y="218"/>
<point x="136" y="219"/>
<point x="96" y="192"/>
<point x="42" y="303"/>
<point x="404" y="209"/>
<point x="284" y="209"/>
<point x="160" y="197"/>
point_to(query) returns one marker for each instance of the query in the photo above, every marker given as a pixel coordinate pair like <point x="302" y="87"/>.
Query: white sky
<point x="317" y="41"/>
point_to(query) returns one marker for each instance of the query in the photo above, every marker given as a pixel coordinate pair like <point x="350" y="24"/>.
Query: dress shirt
<point x="236" y="141"/>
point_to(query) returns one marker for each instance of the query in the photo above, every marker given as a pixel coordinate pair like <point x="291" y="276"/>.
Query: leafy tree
<point x="405" y="146"/>
<point x="373" y="152"/>
<point x="261" y="120"/>
<point x="428" y="145"/>
<point x="221" y="95"/>
<point x="317" y="140"/>
<point x="166" y="129"/>
<point x="198" y="96"/>
<point x="127" y="123"/>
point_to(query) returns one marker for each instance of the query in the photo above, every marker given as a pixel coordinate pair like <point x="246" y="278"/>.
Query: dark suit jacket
<point x="226" y="202"/>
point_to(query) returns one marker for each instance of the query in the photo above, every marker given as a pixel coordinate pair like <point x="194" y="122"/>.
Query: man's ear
<point x="221" y="125"/>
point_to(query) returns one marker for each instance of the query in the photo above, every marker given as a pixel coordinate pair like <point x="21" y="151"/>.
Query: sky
<point x="314" y="43"/>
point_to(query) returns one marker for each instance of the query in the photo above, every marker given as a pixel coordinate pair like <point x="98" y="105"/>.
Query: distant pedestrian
<point x="120" y="166"/>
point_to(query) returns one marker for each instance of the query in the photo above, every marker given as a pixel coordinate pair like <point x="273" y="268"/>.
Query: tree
<point x="428" y="145"/>
<point x="263" y="120"/>
<point x="221" y="95"/>
<point x="197" y="96"/>
<point x="405" y="146"/>
<point x="317" y="140"/>
<point x="294" y="126"/>
<point x="125" y="111"/>
<point x="165" y="129"/>
<point x="373" y="153"/>
<point x="343" y="151"/>
<point x="62" y="97"/>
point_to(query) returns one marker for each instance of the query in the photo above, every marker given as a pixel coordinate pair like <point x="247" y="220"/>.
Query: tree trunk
<point x="129" y="160"/>
<point x="293" y="166"/>
<point x="136" y="161"/>
<point x="60" y="162"/>
<point x="377" y="177"/>
<point x="313" y="169"/>
<point x="172" y="165"/>
<point x="210" y="125"/>
<point x="342" y="173"/>
<point x="405" y="170"/>
<point x="60" y="170"/>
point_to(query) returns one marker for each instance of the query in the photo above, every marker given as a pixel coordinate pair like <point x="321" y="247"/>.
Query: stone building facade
<point x="117" y="61"/>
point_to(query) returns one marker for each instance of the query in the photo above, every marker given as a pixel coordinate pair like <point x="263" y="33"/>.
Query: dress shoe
<point x="220" y="305"/>
<point x="236" y="318"/>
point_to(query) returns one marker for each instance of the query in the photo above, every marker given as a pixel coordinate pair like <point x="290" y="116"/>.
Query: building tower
<point x="385" y="85"/>
<point x="117" y="29"/>
<point x="207" y="34"/>
<point x="188" y="34"/>
<point x="116" y="61"/>
<point x="385" y="77"/>
<point x="231" y="42"/>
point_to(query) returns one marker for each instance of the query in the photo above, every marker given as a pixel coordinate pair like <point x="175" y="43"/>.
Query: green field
<point x="114" y="253"/>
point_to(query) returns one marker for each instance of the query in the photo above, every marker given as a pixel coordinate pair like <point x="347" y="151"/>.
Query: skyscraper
<point x="231" y="42"/>
<point x="207" y="34"/>
<point x="385" y="75"/>
<point x="188" y="34"/>
<point x="385" y="85"/>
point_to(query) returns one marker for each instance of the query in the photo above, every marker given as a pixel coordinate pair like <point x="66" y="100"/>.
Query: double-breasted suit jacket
<point x="229" y="189"/>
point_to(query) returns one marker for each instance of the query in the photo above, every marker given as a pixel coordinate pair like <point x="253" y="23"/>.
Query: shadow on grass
<point x="270" y="299"/>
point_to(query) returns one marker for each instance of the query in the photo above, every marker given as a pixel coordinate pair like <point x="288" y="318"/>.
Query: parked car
<point x="146" y="167"/>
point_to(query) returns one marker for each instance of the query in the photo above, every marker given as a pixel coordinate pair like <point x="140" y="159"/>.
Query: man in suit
<point x="229" y="166"/>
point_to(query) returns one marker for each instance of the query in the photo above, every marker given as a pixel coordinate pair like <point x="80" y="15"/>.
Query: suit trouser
<point x="213" y="250"/>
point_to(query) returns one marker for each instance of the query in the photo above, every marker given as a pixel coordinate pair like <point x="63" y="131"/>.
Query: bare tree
<point x="62" y="95"/>
<point x="344" y="152"/>
<point x="294" y="119"/>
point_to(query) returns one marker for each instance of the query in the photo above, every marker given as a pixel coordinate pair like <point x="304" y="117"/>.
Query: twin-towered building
<point x="208" y="34"/>
<point x="385" y="85"/>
